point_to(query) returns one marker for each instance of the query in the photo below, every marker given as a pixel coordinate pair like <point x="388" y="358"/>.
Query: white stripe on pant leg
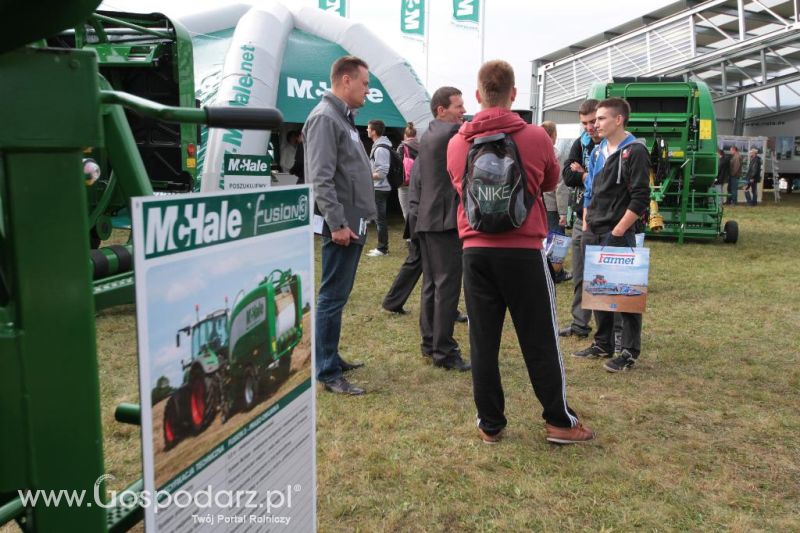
<point x="554" y="320"/>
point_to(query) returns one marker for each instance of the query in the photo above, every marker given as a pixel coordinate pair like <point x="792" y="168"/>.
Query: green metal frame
<point x="53" y="105"/>
<point x="48" y="371"/>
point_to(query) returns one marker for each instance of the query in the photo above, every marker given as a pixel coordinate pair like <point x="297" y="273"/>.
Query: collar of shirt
<point x="342" y="107"/>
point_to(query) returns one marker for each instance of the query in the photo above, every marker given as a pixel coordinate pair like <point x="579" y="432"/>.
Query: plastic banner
<point x="615" y="279"/>
<point x="467" y="11"/>
<point x="224" y="290"/>
<point x="337" y="6"/>
<point x="412" y="17"/>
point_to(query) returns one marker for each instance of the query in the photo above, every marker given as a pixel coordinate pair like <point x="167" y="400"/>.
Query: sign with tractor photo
<point x="237" y="356"/>
<point x="224" y="283"/>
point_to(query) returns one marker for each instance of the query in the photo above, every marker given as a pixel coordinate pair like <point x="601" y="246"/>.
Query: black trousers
<point x="406" y="278"/>
<point x="441" y="289"/>
<point x="631" y="323"/>
<point x="500" y="279"/>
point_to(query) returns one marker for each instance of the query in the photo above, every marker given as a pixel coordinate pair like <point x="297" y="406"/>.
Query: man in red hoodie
<point x="508" y="270"/>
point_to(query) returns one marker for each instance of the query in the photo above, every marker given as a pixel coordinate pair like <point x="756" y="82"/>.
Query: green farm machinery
<point x="148" y="56"/>
<point x="237" y="356"/>
<point x="55" y="110"/>
<point x="677" y="121"/>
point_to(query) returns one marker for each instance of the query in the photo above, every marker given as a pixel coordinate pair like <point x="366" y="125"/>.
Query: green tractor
<point x="676" y="119"/>
<point x="238" y="356"/>
<point x="193" y="406"/>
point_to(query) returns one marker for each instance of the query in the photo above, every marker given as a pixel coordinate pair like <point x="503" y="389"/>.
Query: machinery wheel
<point x="225" y="404"/>
<point x="731" y="232"/>
<point x="202" y="401"/>
<point x="249" y="389"/>
<point x="284" y="367"/>
<point x="172" y="425"/>
<point x="94" y="239"/>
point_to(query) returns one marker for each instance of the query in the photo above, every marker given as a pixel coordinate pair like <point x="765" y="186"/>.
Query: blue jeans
<point x="753" y="193"/>
<point x="339" y="265"/>
<point x="381" y="202"/>
<point x="733" y="190"/>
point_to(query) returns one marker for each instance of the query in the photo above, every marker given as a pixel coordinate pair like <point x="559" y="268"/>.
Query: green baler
<point x="238" y="356"/>
<point x="149" y="56"/>
<point x="677" y="121"/>
<point x="266" y="324"/>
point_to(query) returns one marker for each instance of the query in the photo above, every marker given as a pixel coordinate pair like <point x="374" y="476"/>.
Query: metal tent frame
<point x="745" y="50"/>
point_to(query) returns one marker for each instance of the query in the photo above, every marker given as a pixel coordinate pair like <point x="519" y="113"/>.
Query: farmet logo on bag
<point x="617" y="259"/>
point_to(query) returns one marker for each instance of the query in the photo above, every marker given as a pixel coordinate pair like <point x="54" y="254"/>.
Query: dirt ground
<point x="169" y="463"/>
<point x="625" y="304"/>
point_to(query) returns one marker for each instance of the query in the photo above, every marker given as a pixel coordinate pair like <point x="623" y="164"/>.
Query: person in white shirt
<point x="380" y="157"/>
<point x="289" y="149"/>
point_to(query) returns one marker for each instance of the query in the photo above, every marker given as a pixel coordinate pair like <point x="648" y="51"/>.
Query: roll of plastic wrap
<point x="286" y="318"/>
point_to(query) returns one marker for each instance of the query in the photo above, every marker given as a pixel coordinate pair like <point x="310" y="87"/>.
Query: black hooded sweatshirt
<point x="616" y="189"/>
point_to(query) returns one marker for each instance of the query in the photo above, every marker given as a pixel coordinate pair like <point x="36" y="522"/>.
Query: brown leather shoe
<point x="491" y="439"/>
<point x="573" y="435"/>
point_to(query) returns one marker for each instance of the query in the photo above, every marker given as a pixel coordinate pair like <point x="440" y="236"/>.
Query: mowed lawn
<point x="701" y="435"/>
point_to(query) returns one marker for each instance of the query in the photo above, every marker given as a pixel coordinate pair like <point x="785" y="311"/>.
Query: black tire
<point x="283" y="370"/>
<point x="731" y="232"/>
<point x="250" y="389"/>
<point x="202" y="401"/>
<point x="226" y="407"/>
<point x="172" y="426"/>
<point x="94" y="240"/>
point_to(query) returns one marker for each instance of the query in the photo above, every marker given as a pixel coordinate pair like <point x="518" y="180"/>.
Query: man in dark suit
<point x="434" y="202"/>
<point x="411" y="269"/>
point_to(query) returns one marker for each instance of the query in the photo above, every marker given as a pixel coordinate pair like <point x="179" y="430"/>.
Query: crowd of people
<point x="455" y="238"/>
<point x="730" y="172"/>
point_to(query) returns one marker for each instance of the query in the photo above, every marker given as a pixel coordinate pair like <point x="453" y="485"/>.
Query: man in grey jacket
<point x="380" y="157"/>
<point x="434" y="202"/>
<point x="337" y="166"/>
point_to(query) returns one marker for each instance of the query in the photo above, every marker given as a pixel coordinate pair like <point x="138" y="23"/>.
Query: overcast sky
<point x="515" y="30"/>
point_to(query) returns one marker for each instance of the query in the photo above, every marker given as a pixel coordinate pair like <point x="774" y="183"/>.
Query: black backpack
<point x="495" y="195"/>
<point x="396" y="176"/>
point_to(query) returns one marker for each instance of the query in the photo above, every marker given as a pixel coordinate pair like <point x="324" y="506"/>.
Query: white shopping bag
<point x="615" y="279"/>
<point x="557" y="247"/>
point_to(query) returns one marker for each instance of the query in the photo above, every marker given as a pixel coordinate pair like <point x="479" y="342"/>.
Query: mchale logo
<point x="617" y="259"/>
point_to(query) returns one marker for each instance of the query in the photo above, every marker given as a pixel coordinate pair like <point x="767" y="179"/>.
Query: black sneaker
<point x="592" y="352"/>
<point x="453" y="362"/>
<point x="624" y="362"/>
<point x="568" y="332"/>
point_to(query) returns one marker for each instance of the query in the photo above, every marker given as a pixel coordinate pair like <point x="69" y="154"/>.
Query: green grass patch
<point x="701" y="435"/>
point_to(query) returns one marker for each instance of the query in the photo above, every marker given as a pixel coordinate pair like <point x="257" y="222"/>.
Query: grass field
<point x="701" y="435"/>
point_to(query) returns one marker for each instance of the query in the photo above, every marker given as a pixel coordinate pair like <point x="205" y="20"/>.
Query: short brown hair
<point x="442" y="98"/>
<point x="346" y="65"/>
<point x="495" y="82"/>
<point x="550" y="127"/>
<point x="619" y="106"/>
<point x="588" y="107"/>
<point x="377" y="126"/>
<point x="410" y="130"/>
